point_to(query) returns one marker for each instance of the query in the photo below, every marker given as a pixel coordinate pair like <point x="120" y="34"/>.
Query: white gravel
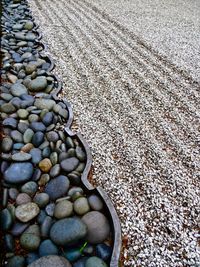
<point x="140" y="115"/>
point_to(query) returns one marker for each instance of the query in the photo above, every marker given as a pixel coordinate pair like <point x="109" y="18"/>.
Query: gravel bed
<point x="140" y="115"/>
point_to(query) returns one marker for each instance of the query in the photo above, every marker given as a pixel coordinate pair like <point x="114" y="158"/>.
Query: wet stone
<point x="18" y="89"/>
<point x="6" y="144"/>
<point x="61" y="183"/>
<point x="30" y="239"/>
<point x="38" y="139"/>
<point x="29" y="188"/>
<point x="21" y="156"/>
<point x="23" y="198"/>
<point x="18" y="172"/>
<point x="47" y="247"/>
<point x="41" y="199"/>
<point x="69" y="164"/>
<point x="63" y="209"/>
<point x="10" y="122"/>
<point x="38" y="84"/>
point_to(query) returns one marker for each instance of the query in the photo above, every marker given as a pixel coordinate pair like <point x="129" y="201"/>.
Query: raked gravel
<point x="140" y="115"/>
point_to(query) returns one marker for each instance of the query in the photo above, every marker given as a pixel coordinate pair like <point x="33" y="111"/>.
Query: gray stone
<point x="10" y="122"/>
<point x="16" y="136"/>
<point x="81" y="206"/>
<point x="45" y="226"/>
<point x="98" y="227"/>
<point x="7" y="108"/>
<point x="52" y="136"/>
<point x="95" y="202"/>
<point x="5" y="219"/>
<point x="23" y="198"/>
<point x="69" y="164"/>
<point x="29" y="188"/>
<point x="22" y="113"/>
<point x="55" y="170"/>
<point x="63" y="209"/>
<point x="61" y="183"/>
<point x="38" y="84"/>
<point x="30" y="239"/>
<point x="37" y="126"/>
<point x="51" y="261"/>
<point x="16" y="261"/>
<point x="95" y="262"/>
<point x="21" y="156"/>
<point x="18" y="89"/>
<point x="44" y="103"/>
<point x="36" y="154"/>
<point x="41" y="199"/>
<point x="27" y="212"/>
<point x="28" y="135"/>
<point x="18" y="172"/>
<point x="47" y="247"/>
<point x="6" y="144"/>
<point x="18" y="228"/>
<point x="68" y="230"/>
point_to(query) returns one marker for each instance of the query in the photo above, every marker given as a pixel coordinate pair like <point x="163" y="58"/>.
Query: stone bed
<point x="51" y="215"/>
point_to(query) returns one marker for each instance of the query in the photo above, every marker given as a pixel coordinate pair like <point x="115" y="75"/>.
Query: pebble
<point x="27" y="212"/>
<point x="69" y="164"/>
<point x="31" y="257"/>
<point x="5" y="219"/>
<point x="45" y="226"/>
<point x="54" y="158"/>
<point x="21" y="156"/>
<point x="72" y="254"/>
<point x="27" y="137"/>
<point x="52" y="136"/>
<point x="45" y="165"/>
<point x="16" y="261"/>
<point x="48" y="118"/>
<point x="68" y="230"/>
<point x="38" y="139"/>
<point x="18" y="89"/>
<point x="16" y="136"/>
<point x="61" y="183"/>
<point x="6" y="144"/>
<point x="47" y="247"/>
<point x="30" y="239"/>
<point x="41" y="199"/>
<point x="8" y="108"/>
<point x="13" y="193"/>
<point x="81" y="262"/>
<point x="44" y="104"/>
<point x="75" y="189"/>
<point x="22" y="113"/>
<point x="38" y="84"/>
<point x="44" y="179"/>
<point x="80" y="153"/>
<point x="10" y="122"/>
<point x="28" y="25"/>
<point x="18" y="172"/>
<point x="51" y="261"/>
<point x="29" y="188"/>
<point x="103" y="251"/>
<point x="98" y="227"/>
<point x="27" y="148"/>
<point x="81" y="206"/>
<point x="55" y="170"/>
<point x="18" y="228"/>
<point x="37" y="126"/>
<point x="22" y="127"/>
<point x="23" y="198"/>
<point x="50" y="209"/>
<point x="63" y="209"/>
<point x="95" y="262"/>
<point x="9" y="242"/>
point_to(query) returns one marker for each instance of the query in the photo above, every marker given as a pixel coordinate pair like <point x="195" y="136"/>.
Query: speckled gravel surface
<point x="140" y="115"/>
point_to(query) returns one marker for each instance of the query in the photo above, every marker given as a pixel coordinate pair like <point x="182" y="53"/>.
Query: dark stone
<point x="38" y="139"/>
<point x="16" y="261"/>
<point x="103" y="251"/>
<point x="50" y="261"/>
<point x="61" y="183"/>
<point x="47" y="247"/>
<point x="5" y="219"/>
<point x="37" y="126"/>
<point x="18" y="228"/>
<point x="69" y="164"/>
<point x="10" y="122"/>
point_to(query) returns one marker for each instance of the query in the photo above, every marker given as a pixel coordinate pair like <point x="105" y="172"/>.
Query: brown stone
<point x="45" y="165"/>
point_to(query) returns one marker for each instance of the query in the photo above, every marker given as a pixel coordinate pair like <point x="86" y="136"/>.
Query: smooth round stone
<point x="16" y="261"/>
<point x="38" y="139"/>
<point x="80" y="154"/>
<point x="27" y="148"/>
<point x="18" y="172"/>
<point x="21" y="44"/>
<point x="38" y="84"/>
<point x="45" y="226"/>
<point x="81" y="167"/>
<point x="8" y="108"/>
<point x="44" y="179"/>
<point x="45" y="165"/>
<point x="17" y="27"/>
<point x="33" y="117"/>
<point x="16" y="136"/>
<point x="18" y="228"/>
<point x="22" y="113"/>
<point x="50" y="209"/>
<point x="72" y="254"/>
<point x="18" y="89"/>
<point x="68" y="230"/>
<point x="22" y="127"/>
<point x="47" y="247"/>
<point x="31" y="257"/>
<point x="30" y="37"/>
<point x="6" y="144"/>
<point x="48" y="118"/>
<point x="51" y="261"/>
<point x="10" y="122"/>
<point x="69" y="164"/>
<point x="44" y="104"/>
<point x="98" y="227"/>
<point x="54" y="158"/>
<point x="52" y="136"/>
<point x="63" y="113"/>
<point x="55" y="170"/>
<point x="75" y="189"/>
<point x="41" y="199"/>
<point x="20" y="35"/>
<point x="81" y="262"/>
<point x="62" y="156"/>
<point x="41" y="217"/>
<point x="95" y="202"/>
<point x="26" y="55"/>
<point x="103" y="251"/>
<point x="46" y="152"/>
<point x="36" y="154"/>
<point x="63" y="209"/>
<point x="81" y="206"/>
<point x="28" y="135"/>
<point x="5" y="219"/>
<point x="95" y="262"/>
<point x="29" y="188"/>
<point x="69" y="142"/>
<point x="37" y="126"/>
<point x="23" y="198"/>
<point x="30" y="239"/>
<point x="36" y="175"/>
<point x="13" y="193"/>
<point x="9" y="242"/>
<point x="61" y="183"/>
<point x="28" y="25"/>
<point x="18" y="146"/>
<point x="21" y="156"/>
<point x="27" y="212"/>
<point x="6" y="97"/>
<point x="30" y="68"/>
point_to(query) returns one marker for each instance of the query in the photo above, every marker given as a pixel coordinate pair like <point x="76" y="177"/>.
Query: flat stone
<point x="98" y="227"/>
<point x="27" y="212"/>
<point x="18" y="172"/>
<point x="45" y="165"/>
<point x="69" y="164"/>
<point x="21" y="156"/>
<point x="38" y="84"/>
<point x="18" y="89"/>
<point x="68" y="230"/>
<point x="51" y="261"/>
<point x="61" y="183"/>
<point x="44" y="103"/>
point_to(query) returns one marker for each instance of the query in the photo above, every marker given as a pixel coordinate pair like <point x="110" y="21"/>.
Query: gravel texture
<point x="140" y="115"/>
